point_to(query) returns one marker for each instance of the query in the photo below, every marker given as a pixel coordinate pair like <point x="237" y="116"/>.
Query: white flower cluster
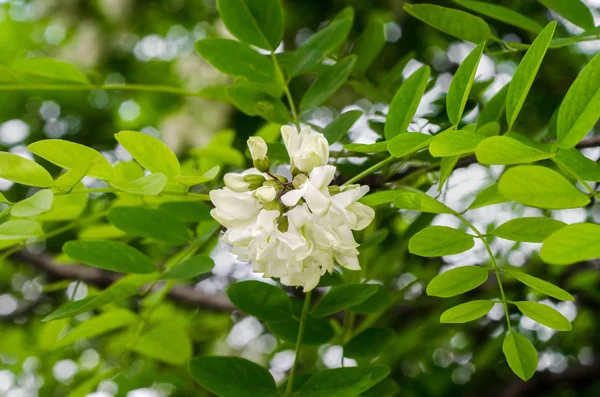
<point x="293" y="230"/>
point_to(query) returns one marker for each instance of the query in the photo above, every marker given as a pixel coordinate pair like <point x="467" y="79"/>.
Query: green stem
<point x="370" y="170"/>
<point x="493" y="261"/>
<point x="105" y="87"/>
<point x="286" y="90"/>
<point x="303" y="316"/>
<point x="204" y="197"/>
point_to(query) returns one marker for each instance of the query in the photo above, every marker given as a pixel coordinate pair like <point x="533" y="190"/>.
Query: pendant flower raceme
<point x="292" y="230"/>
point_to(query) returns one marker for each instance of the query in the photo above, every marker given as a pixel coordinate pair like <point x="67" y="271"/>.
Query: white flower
<point x="234" y="209"/>
<point x="314" y="191"/>
<point x="235" y="182"/>
<point x="265" y="194"/>
<point x="306" y="149"/>
<point x="258" y="148"/>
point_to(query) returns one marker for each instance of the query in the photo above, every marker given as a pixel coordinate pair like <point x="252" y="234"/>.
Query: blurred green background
<point x="152" y="42"/>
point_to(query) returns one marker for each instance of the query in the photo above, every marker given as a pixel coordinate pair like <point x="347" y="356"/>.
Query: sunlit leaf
<point x="377" y="147"/>
<point x="456" y="23"/>
<point x="457" y="281"/>
<point x="189" y="268"/>
<point x="17" y="230"/>
<point x="502" y="14"/>
<point x="520" y="355"/>
<point x="413" y="199"/>
<point x="571" y="244"/>
<point x="50" y="68"/>
<point x="526" y="72"/>
<point x="98" y="325"/>
<point x="541" y="187"/>
<point x="21" y="170"/>
<point x="165" y="342"/>
<point x="149" y="185"/>
<point x="38" y="203"/>
<point x="532" y="230"/>
<point x="488" y="196"/>
<point x="542" y="286"/>
<point x="405" y="103"/>
<point x="579" y="110"/>
<point x="460" y="86"/>
<point x="150" y="223"/>
<point x="256" y="22"/>
<point x="408" y="143"/>
<point x="466" y="312"/>
<point x="192" y="180"/>
<point x="454" y="142"/>
<point x="257" y="103"/>
<point x="544" y="315"/>
<point x="506" y="150"/>
<point x="575" y="162"/>
<point x="150" y="152"/>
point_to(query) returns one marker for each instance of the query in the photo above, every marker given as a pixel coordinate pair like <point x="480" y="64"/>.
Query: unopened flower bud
<point x="299" y="180"/>
<point x="273" y="206"/>
<point x="236" y="182"/>
<point x="265" y="194"/>
<point x="258" y="151"/>
<point x="274" y="184"/>
<point x="254" y="180"/>
<point x="334" y="189"/>
<point x="283" y="224"/>
<point x="282" y="178"/>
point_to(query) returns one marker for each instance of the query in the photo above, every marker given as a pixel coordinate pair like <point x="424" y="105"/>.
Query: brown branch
<point x="184" y="294"/>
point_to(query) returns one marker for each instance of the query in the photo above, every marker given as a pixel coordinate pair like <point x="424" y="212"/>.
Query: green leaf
<point x="261" y="300"/>
<point x="541" y="187"/>
<point x="542" y="286"/>
<point x="71" y="178"/>
<point x="531" y="230"/>
<point x="17" y="230"/>
<point x="488" y="196"/>
<point x="405" y="103"/>
<point x="150" y="223"/>
<point x="21" y="170"/>
<point x="526" y="72"/>
<point x="574" y="10"/>
<point x="7" y="75"/>
<point x="51" y="68"/>
<point x="377" y="302"/>
<point x="544" y="315"/>
<point x="40" y="202"/>
<point x="343" y="382"/>
<point x="490" y="129"/>
<point x="454" y="142"/>
<point x="460" y="86"/>
<point x="506" y="151"/>
<point x="187" y="211"/>
<point x="457" y="281"/>
<point x="493" y="109"/>
<point x="339" y="127"/>
<point x="232" y="377"/>
<point x="377" y="147"/>
<point x="321" y="44"/>
<point x="257" y="103"/>
<point x="413" y="199"/>
<point x="256" y="22"/>
<point x="70" y="155"/>
<point x="237" y="59"/>
<point x="327" y="83"/>
<point x="189" y="268"/>
<point x="378" y="198"/>
<point x="573" y="161"/>
<point x="342" y="297"/>
<point x="440" y="241"/>
<point x="385" y="388"/>
<point x="579" y="110"/>
<point x="192" y="180"/>
<point x="571" y="244"/>
<point x="502" y="14"/>
<point x="3" y="199"/>
<point x="165" y="342"/>
<point x="98" y="325"/>
<point x="369" y="45"/>
<point x="408" y="143"/>
<point x="151" y="153"/>
<point x="369" y="343"/>
<point x="456" y="23"/>
<point x="520" y="354"/>
<point x="466" y="312"/>
<point x="149" y="185"/>
<point x="122" y="289"/>
<point x="447" y="165"/>
<point x="109" y="255"/>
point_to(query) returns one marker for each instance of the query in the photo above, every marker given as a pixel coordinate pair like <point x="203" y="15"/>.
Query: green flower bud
<point x="283" y="224"/>
<point x="262" y="165"/>
<point x="254" y="181"/>
<point x="273" y="206"/>
<point x="299" y="180"/>
<point x="333" y="189"/>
